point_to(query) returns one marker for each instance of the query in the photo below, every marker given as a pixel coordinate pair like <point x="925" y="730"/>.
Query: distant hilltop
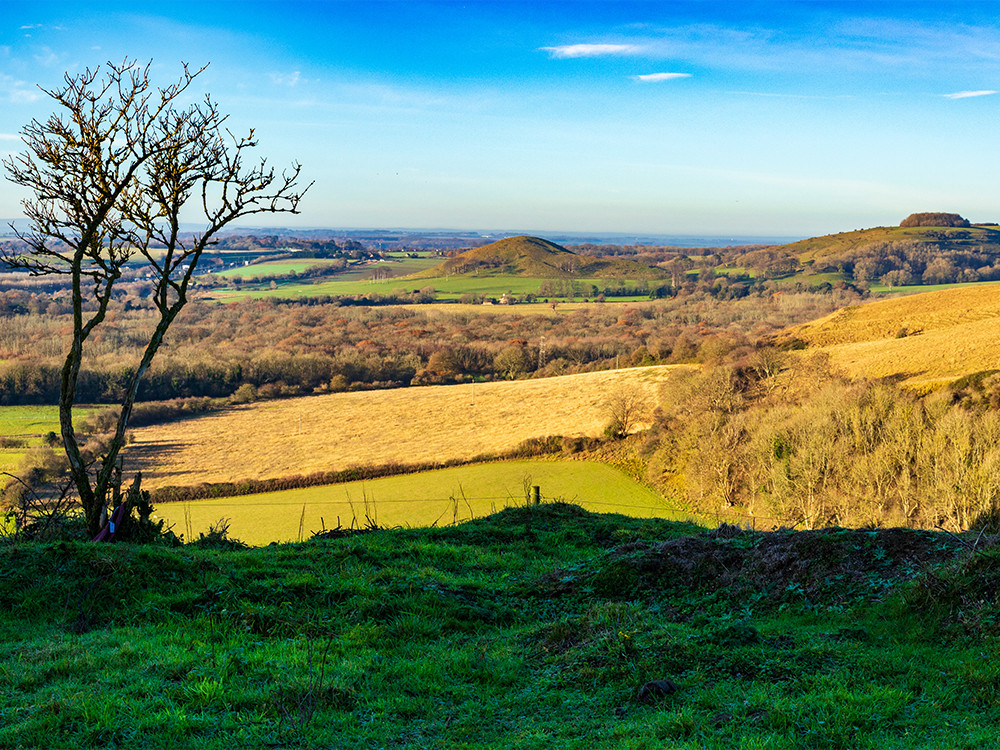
<point x="934" y="220"/>
<point x="537" y="258"/>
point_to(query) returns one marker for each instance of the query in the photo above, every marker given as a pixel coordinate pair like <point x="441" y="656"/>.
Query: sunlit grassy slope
<point x="534" y="628"/>
<point x="434" y="423"/>
<point x="818" y="249"/>
<point x="927" y="338"/>
<point x="426" y="499"/>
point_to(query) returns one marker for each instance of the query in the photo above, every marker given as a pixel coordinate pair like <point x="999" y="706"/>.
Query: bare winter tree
<point x="626" y="405"/>
<point x="110" y="174"/>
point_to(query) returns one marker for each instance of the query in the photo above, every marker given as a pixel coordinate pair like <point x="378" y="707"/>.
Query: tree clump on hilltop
<point x="935" y="219"/>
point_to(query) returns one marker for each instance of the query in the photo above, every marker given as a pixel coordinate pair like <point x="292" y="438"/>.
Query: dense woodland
<point x="786" y="439"/>
<point x="902" y="263"/>
<point x="276" y="348"/>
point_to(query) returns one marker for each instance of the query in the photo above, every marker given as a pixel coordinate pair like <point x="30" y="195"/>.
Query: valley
<point x="477" y="376"/>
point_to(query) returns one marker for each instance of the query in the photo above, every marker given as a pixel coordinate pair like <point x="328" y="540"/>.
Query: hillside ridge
<point x="972" y="239"/>
<point x="928" y="338"/>
<point x="538" y="258"/>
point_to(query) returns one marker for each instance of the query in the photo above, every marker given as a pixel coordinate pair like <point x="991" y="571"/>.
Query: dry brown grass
<point x="330" y="432"/>
<point x="948" y="334"/>
<point x="918" y="313"/>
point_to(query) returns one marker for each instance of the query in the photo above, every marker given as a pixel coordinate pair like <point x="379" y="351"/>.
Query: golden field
<point x="408" y="425"/>
<point x="927" y="338"/>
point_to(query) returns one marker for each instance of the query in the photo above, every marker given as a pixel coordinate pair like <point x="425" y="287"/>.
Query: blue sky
<point x="744" y="118"/>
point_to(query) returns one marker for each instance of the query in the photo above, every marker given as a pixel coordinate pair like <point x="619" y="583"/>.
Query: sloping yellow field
<point x="409" y="425"/>
<point x="948" y="334"/>
<point x="918" y="313"/>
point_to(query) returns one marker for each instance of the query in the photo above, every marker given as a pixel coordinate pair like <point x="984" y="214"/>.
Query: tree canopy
<point x="934" y="220"/>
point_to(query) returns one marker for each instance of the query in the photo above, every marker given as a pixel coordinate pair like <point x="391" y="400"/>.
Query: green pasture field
<point x="735" y="271"/>
<point x="450" y="287"/>
<point x="408" y="254"/>
<point x="274" y="268"/>
<point x="352" y="283"/>
<point x="403" y="266"/>
<point x="400" y="266"/>
<point x="27" y="424"/>
<point x="430" y="498"/>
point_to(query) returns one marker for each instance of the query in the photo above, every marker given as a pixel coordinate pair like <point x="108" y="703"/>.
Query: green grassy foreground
<point x="533" y="628"/>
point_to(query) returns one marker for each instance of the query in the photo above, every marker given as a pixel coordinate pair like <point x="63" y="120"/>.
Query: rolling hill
<point x="817" y="250"/>
<point x="537" y="258"/>
<point x="926" y="339"/>
<point x="918" y="252"/>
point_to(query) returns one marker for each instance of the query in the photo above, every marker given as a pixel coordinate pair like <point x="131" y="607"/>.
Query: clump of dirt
<point x="823" y="566"/>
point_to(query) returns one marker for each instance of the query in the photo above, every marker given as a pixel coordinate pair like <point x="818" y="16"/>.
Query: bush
<point x="245" y="394"/>
<point x="218" y="537"/>
<point x="988" y="521"/>
<point x="614" y="430"/>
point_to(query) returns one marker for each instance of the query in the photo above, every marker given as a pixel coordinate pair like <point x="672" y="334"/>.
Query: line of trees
<point x="896" y="263"/>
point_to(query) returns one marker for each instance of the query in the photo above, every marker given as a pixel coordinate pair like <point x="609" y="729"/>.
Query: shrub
<point x="245" y="394"/>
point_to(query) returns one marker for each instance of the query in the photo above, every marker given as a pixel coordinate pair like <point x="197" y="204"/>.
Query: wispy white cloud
<point x="657" y="77"/>
<point x="9" y="137"/>
<point x="23" y="96"/>
<point x="46" y="57"/>
<point x="848" y="45"/>
<point x="968" y="94"/>
<point x="286" y="79"/>
<point x="591" y="50"/>
<point x="17" y="92"/>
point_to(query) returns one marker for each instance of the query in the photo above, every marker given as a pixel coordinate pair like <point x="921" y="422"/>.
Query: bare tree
<point x="626" y="405"/>
<point x="111" y="173"/>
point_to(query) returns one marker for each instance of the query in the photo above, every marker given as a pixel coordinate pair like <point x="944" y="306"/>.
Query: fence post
<point x="536" y="495"/>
